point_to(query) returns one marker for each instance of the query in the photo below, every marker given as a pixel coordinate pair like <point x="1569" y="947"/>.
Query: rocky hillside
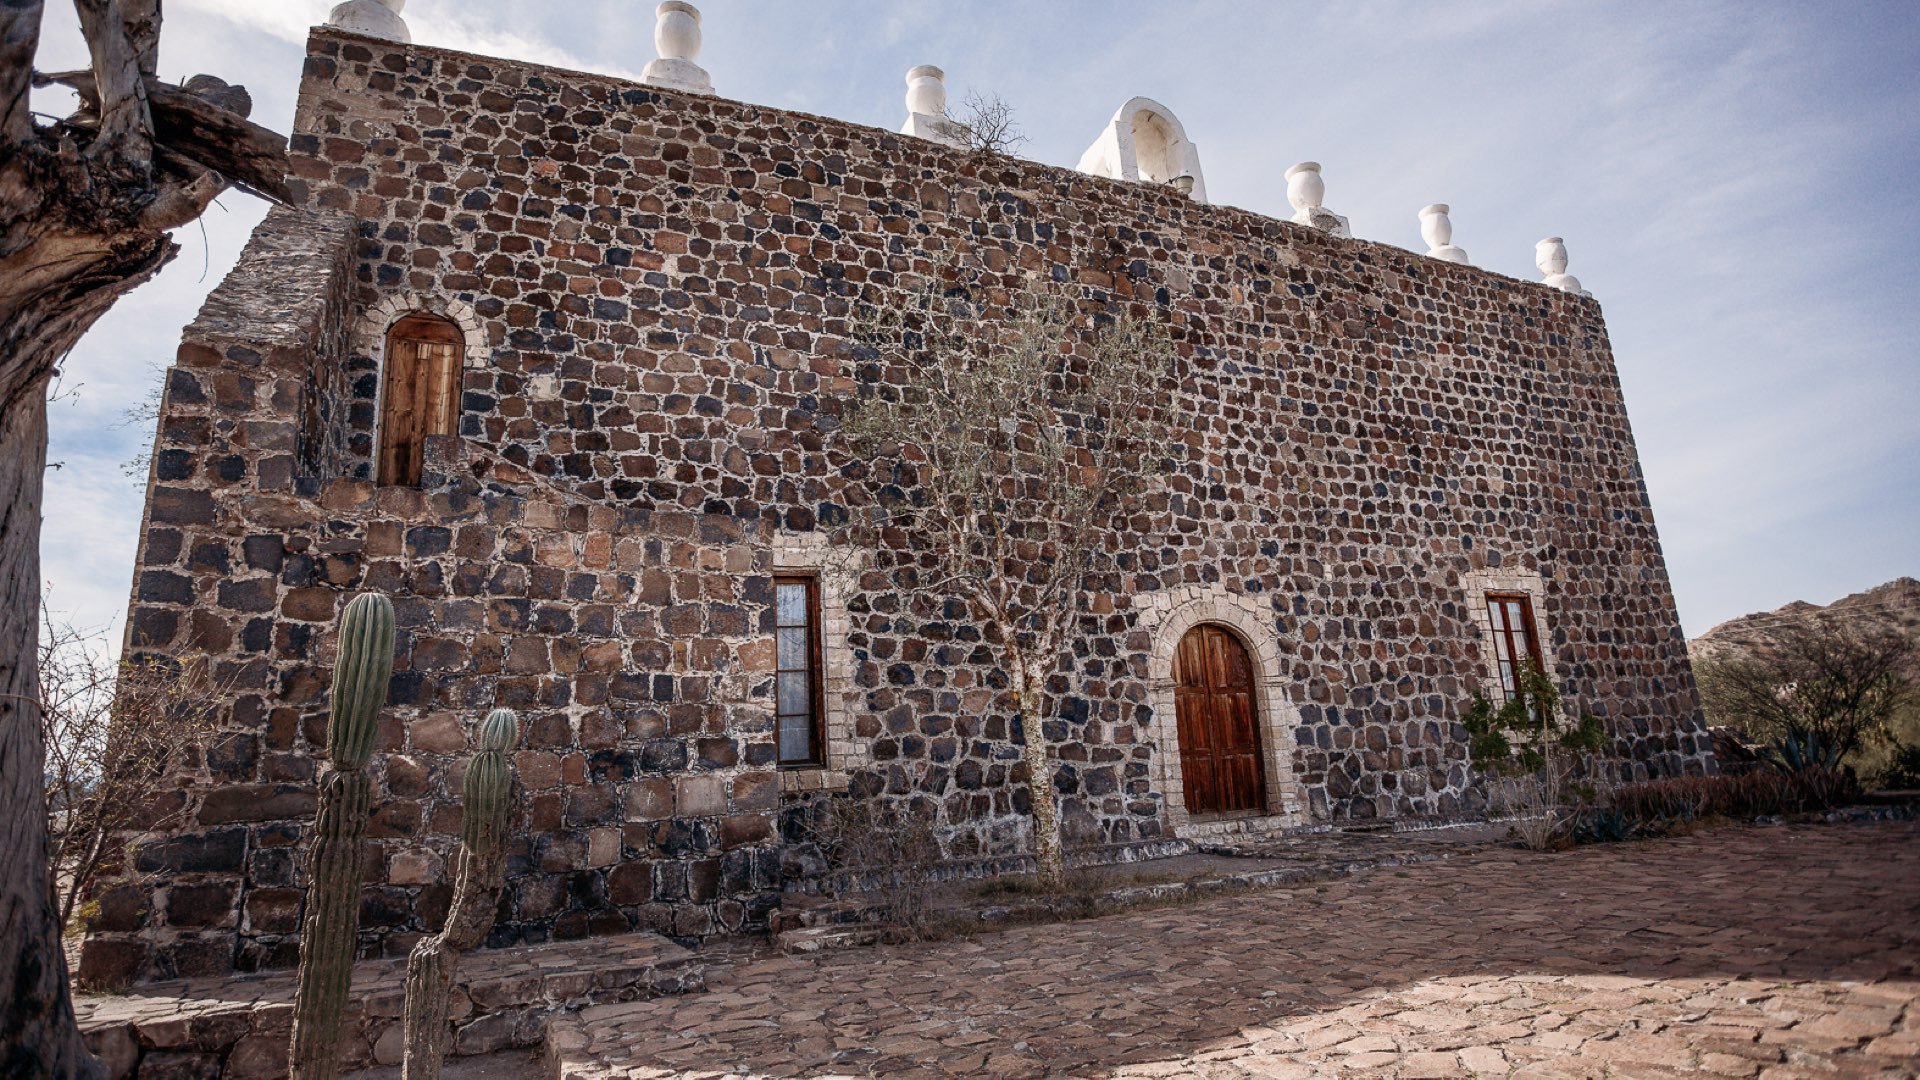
<point x="1893" y="605"/>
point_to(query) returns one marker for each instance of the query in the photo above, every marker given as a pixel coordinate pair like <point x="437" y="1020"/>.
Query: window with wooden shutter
<point x="798" y="710"/>
<point x="1515" y="641"/>
<point x="419" y="395"/>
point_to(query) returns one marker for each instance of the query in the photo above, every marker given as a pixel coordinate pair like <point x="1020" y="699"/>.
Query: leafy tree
<point x="1003" y="432"/>
<point x="1817" y="693"/>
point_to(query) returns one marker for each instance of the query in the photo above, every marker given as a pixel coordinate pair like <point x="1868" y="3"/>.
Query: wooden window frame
<point x="399" y="358"/>
<point x="1502" y="628"/>
<point x="816" y="674"/>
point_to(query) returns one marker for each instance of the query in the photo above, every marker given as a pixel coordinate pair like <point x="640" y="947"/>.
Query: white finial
<point x="1307" y="191"/>
<point x="927" y="108"/>
<point x="676" y="36"/>
<point x="1550" y="255"/>
<point x="1437" y="231"/>
<point x="373" y="18"/>
<point x="927" y="90"/>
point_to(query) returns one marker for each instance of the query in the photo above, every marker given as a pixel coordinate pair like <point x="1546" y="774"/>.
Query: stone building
<point x="543" y="356"/>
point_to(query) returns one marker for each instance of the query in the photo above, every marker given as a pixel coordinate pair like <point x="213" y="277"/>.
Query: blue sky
<point x="1735" y="183"/>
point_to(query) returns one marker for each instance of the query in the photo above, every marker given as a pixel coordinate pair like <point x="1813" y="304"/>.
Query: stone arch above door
<point x="1168" y="616"/>
<point x="370" y="332"/>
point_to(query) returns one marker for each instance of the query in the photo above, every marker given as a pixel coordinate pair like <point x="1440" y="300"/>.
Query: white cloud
<point x="464" y="27"/>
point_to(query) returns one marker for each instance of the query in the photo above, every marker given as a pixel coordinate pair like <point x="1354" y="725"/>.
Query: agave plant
<point x="1807" y="750"/>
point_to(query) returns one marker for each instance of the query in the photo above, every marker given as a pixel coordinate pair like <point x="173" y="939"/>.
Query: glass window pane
<point x="793" y="695"/>
<point x="796" y="739"/>
<point x="793" y="603"/>
<point x="792" y="648"/>
<point x="1523" y="643"/>
<point x="1499" y="612"/>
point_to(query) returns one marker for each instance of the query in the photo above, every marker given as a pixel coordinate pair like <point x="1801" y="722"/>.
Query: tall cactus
<point x="486" y="796"/>
<point x="332" y="922"/>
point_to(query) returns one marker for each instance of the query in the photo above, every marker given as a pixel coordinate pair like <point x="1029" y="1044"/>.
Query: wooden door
<point x="1219" y="740"/>
<point x="420" y="393"/>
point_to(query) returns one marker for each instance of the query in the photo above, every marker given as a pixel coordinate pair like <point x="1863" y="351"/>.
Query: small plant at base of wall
<point x="1525" y="742"/>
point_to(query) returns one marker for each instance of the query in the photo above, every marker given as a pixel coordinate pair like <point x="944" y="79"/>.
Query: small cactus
<point x="486" y="796"/>
<point x="329" y="930"/>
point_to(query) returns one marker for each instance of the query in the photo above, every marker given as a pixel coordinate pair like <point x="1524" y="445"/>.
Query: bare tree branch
<point x="143" y="32"/>
<point x="116" y="733"/>
<point x="126" y="125"/>
<point x="990" y="123"/>
<point x="204" y="132"/>
<point x="19" y="37"/>
<point x="177" y="204"/>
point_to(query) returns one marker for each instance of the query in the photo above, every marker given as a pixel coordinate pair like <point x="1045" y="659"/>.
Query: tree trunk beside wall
<point x="38" y="1036"/>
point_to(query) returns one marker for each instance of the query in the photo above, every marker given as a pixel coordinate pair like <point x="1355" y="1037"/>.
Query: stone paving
<point x="237" y="1027"/>
<point x="1755" y="952"/>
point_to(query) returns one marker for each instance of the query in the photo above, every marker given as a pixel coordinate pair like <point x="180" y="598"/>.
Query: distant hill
<point x="1895" y="605"/>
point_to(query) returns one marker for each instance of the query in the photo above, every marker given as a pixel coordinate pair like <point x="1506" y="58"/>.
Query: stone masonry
<point x="656" y="288"/>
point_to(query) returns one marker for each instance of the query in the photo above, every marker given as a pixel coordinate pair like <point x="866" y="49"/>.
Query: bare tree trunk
<point x="41" y="316"/>
<point x="1047" y="852"/>
<point x="85" y="205"/>
<point x="38" y="1035"/>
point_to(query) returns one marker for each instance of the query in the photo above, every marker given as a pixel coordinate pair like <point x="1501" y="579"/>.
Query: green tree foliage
<point x="1004" y="429"/>
<point x="1518" y="737"/>
<point x="1525" y="741"/>
<point x="1822" y="696"/>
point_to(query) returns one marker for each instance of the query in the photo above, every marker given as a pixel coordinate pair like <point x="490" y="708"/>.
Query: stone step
<point x="800" y="910"/>
<point x="237" y="1027"/>
<point x="814" y="939"/>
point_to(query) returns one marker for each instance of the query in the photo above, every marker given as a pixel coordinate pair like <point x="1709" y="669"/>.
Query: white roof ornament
<point x="373" y="18"/>
<point x="1146" y="143"/>
<point x="1307" y="191"/>
<point x="676" y="36"/>
<point x="927" y="108"/>
<point x="1550" y="255"/>
<point x="1437" y="230"/>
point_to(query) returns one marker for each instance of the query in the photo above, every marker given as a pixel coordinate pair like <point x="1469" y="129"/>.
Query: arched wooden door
<point x="1219" y="740"/>
<point x="420" y="394"/>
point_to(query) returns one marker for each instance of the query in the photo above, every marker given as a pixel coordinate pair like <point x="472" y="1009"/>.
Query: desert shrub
<point x="1891" y="761"/>
<point x="1902" y="769"/>
<point x="1600" y="825"/>
<point x="1820" y="695"/>
<point x="117" y="735"/>
<point x="1655" y="807"/>
<point x="889" y="851"/>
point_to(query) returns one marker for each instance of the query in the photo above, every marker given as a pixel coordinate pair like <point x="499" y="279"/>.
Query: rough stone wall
<point x="629" y="640"/>
<point x="664" y="283"/>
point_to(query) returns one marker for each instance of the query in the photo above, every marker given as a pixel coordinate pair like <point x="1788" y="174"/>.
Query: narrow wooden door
<point x="420" y="393"/>
<point x="1219" y="740"/>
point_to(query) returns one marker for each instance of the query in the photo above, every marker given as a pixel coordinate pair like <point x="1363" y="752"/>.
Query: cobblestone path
<point x="1768" y="952"/>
